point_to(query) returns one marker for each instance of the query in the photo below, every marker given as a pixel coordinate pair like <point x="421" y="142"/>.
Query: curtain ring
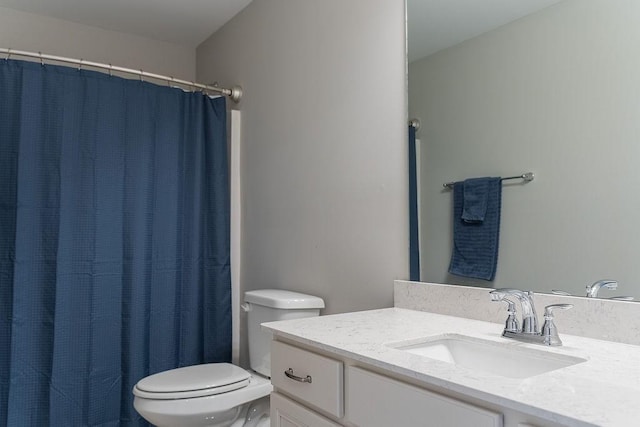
<point x="169" y="80"/>
<point x="110" y="70"/>
<point x="41" y="60"/>
<point x="8" y="54"/>
<point x="80" y="65"/>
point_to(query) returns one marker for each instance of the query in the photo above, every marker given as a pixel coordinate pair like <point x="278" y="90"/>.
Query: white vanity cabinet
<point x="325" y="390"/>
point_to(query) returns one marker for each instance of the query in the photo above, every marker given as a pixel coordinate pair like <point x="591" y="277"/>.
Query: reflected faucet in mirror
<point x="593" y="290"/>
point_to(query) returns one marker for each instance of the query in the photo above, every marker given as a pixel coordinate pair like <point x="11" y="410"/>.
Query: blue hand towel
<point x="476" y="194"/>
<point x="475" y="244"/>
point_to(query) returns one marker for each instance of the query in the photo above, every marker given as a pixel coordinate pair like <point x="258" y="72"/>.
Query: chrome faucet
<point x="594" y="288"/>
<point x="529" y="331"/>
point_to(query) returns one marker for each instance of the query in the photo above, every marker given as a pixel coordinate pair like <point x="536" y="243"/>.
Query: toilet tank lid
<point x="286" y="300"/>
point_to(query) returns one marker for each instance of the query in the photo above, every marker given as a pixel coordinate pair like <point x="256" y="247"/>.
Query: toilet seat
<point x="187" y="412"/>
<point x="192" y="381"/>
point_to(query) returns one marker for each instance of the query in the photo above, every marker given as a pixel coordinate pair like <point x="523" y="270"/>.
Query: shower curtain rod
<point x="235" y="93"/>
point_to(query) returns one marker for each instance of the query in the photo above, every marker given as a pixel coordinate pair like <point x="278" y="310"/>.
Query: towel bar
<point x="527" y="177"/>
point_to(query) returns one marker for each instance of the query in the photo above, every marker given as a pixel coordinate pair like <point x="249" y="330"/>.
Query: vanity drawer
<point x="308" y="377"/>
<point x="377" y="401"/>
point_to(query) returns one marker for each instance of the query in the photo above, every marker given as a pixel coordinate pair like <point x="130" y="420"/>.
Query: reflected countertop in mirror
<point x="555" y="92"/>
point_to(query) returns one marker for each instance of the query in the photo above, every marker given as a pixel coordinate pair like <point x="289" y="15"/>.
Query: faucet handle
<point x="511" y="306"/>
<point x="511" y="323"/>
<point x="548" y="310"/>
<point x="549" y="330"/>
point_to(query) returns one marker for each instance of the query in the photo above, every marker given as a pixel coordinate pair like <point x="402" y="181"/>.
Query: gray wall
<point x="27" y="31"/>
<point x="555" y="93"/>
<point x="324" y="166"/>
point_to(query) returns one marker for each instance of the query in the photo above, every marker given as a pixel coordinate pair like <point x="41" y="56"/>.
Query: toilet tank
<point x="270" y="305"/>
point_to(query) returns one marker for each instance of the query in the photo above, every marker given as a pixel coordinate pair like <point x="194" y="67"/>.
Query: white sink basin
<point x="490" y="357"/>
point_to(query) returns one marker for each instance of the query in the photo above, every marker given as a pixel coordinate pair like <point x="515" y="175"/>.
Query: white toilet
<point x="222" y="394"/>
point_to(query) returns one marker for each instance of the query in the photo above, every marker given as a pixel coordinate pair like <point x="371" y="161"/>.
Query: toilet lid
<point x="193" y="381"/>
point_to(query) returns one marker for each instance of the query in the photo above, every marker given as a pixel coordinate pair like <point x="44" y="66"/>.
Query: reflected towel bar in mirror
<point x="527" y="177"/>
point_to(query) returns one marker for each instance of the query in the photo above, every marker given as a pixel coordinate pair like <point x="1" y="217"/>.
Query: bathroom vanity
<point x="389" y="367"/>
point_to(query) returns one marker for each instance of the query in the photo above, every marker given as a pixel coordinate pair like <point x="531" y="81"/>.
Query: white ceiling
<point x="183" y="22"/>
<point x="433" y="24"/>
<point x="437" y="24"/>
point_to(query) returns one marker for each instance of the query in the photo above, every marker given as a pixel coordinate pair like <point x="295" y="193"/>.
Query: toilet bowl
<point x="222" y="394"/>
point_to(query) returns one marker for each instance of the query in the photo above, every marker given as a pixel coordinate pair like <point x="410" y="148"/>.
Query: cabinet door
<point x="377" y="401"/>
<point x="322" y="377"/>
<point x="287" y="413"/>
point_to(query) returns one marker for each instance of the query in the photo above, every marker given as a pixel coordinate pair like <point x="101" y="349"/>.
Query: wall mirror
<point x="549" y="87"/>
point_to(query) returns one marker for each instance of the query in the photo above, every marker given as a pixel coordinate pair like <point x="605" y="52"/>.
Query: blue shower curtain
<point x="114" y="241"/>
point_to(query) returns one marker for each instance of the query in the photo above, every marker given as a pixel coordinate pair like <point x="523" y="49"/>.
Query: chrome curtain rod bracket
<point x="527" y="177"/>
<point x="235" y="93"/>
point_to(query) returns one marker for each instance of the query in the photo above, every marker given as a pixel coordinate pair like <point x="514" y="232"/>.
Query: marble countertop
<point x="603" y="391"/>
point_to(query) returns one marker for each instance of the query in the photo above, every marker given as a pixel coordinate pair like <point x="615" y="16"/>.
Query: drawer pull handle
<point x="289" y="374"/>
